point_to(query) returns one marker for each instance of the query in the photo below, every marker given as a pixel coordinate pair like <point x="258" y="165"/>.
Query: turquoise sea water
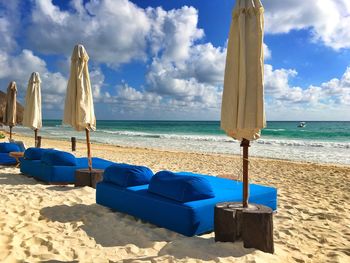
<point x="317" y="142"/>
<point x="327" y="131"/>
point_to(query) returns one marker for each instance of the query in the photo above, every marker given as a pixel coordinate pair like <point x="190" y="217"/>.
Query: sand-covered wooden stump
<point x="84" y="177"/>
<point x="253" y="225"/>
<point x="227" y="222"/>
<point x="257" y="225"/>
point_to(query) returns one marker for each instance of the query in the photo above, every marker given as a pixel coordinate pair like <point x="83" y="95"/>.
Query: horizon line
<point x="49" y="119"/>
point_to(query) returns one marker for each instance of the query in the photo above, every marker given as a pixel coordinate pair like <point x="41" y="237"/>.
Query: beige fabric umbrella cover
<point x="11" y="107"/>
<point x="242" y="110"/>
<point x="32" y="110"/>
<point x="79" y="106"/>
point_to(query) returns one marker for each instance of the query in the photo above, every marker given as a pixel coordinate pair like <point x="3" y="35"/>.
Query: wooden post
<point x="88" y="148"/>
<point x="254" y="225"/>
<point x="36" y="138"/>
<point x="245" y="145"/>
<point x="84" y="177"/>
<point x="257" y="228"/>
<point x="74" y="144"/>
<point x="38" y="145"/>
<point x="10" y="132"/>
<point x="228" y="221"/>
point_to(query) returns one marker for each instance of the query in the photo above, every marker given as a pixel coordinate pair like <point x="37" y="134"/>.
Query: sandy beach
<point x="40" y="222"/>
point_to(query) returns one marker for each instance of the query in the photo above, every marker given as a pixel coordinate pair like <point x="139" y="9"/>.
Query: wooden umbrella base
<point x="85" y="177"/>
<point x="253" y="225"/>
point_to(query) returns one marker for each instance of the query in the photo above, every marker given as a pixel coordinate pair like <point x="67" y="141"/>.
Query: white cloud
<point x="328" y="20"/>
<point x="186" y="74"/>
<point x="207" y="64"/>
<point x="190" y="82"/>
<point x="9" y="23"/>
<point x="19" y="67"/>
<point x="113" y="32"/>
<point x="22" y="65"/>
<point x="338" y="90"/>
<point x="6" y="32"/>
<point x="181" y="74"/>
<point x="276" y="81"/>
<point x="330" y="100"/>
<point x="267" y="52"/>
<point x="174" y="32"/>
<point x="128" y="93"/>
<point x="129" y="103"/>
<point x="97" y="83"/>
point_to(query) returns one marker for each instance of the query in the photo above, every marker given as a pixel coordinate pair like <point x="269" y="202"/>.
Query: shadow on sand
<point x="199" y="248"/>
<point x="8" y="177"/>
<point x="106" y="227"/>
<point x="116" y="229"/>
<point x="58" y="261"/>
<point x="61" y="188"/>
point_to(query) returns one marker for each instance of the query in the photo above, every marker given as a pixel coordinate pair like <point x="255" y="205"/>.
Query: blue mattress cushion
<point x="58" y="158"/>
<point x="6" y="147"/>
<point x="126" y="175"/>
<point x="181" y="187"/>
<point x="34" y="153"/>
<point x="30" y="167"/>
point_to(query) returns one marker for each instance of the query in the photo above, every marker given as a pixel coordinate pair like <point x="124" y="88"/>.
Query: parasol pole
<point x="245" y="145"/>
<point x="10" y="132"/>
<point x="88" y="148"/>
<point x="35" y="137"/>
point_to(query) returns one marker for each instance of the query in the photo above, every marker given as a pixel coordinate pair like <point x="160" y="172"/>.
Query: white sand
<point x="41" y="222"/>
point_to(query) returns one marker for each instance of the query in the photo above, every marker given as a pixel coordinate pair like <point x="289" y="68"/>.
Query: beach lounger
<point x="5" y="149"/>
<point x="30" y="164"/>
<point x="181" y="202"/>
<point x="56" y="167"/>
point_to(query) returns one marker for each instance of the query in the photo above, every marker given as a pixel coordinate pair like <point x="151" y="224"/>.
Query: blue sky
<point x="165" y="59"/>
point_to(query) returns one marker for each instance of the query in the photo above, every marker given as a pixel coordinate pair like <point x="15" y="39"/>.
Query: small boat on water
<point x="302" y="124"/>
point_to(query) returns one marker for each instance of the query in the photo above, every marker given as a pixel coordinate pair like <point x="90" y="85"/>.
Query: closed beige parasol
<point x="11" y="108"/>
<point x="79" y="106"/>
<point x="32" y="111"/>
<point x="242" y="111"/>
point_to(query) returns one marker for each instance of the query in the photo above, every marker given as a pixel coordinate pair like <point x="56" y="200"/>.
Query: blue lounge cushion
<point x="126" y="175"/>
<point x="58" y="158"/>
<point x="180" y="187"/>
<point x="6" y="147"/>
<point x="190" y="218"/>
<point x="34" y="153"/>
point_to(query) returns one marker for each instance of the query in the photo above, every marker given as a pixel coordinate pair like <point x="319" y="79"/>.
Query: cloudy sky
<point x="165" y="59"/>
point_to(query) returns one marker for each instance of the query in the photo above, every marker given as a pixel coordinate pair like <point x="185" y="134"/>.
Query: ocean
<point x="322" y="142"/>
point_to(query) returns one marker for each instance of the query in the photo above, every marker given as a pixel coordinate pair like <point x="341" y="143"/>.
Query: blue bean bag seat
<point x="181" y="202"/>
<point x="5" y="149"/>
<point x="31" y="162"/>
<point x="56" y="167"/>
